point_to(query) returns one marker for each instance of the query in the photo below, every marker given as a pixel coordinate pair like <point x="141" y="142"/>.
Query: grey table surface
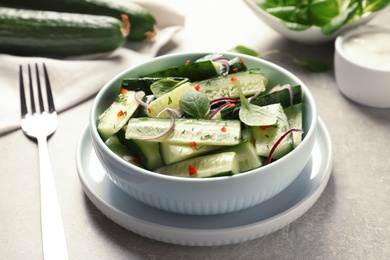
<point x="351" y="219"/>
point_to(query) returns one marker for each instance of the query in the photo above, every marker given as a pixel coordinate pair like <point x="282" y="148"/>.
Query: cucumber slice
<point x="172" y="153"/>
<point x="252" y="81"/>
<point x="119" y="149"/>
<point x="193" y="71"/>
<point x="294" y="115"/>
<point x="235" y="64"/>
<point x="147" y="152"/>
<point x="137" y="84"/>
<point x="117" y="115"/>
<point x="213" y="165"/>
<point x="266" y="137"/>
<point x="186" y="131"/>
<point x="247" y="156"/>
<point x="282" y="97"/>
<point x="168" y="100"/>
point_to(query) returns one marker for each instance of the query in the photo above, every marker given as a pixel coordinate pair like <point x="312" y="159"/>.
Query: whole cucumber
<point x="47" y="33"/>
<point x="141" y="20"/>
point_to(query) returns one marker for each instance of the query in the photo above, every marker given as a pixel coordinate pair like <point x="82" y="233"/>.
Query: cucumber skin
<point x="141" y="20"/>
<point x="205" y="165"/>
<point x="149" y="162"/>
<point x="282" y="97"/>
<point x="31" y="32"/>
<point x="193" y="71"/>
<point x="137" y="84"/>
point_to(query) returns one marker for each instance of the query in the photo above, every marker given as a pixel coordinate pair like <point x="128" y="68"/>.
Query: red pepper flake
<point x="187" y="62"/>
<point x="223" y="129"/>
<point x="123" y="90"/>
<point x="149" y="110"/>
<point x="242" y="61"/>
<point x="235" y="70"/>
<point x="233" y="79"/>
<point x="193" y="144"/>
<point x="137" y="160"/>
<point x="120" y="113"/>
<point x="192" y="170"/>
<point x="263" y="127"/>
<point x="230" y="105"/>
<point x="197" y="87"/>
<point x="253" y="141"/>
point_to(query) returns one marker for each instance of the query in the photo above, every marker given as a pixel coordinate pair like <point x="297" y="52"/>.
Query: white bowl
<point x="361" y="74"/>
<point x="212" y="195"/>
<point x="313" y="35"/>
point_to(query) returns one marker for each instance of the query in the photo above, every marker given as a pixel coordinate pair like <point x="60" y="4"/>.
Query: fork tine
<point x="31" y="90"/>
<point x="23" y="106"/>
<point x="48" y="90"/>
<point x="40" y="99"/>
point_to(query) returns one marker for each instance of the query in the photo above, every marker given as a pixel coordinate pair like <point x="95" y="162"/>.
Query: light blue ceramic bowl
<point x="212" y="195"/>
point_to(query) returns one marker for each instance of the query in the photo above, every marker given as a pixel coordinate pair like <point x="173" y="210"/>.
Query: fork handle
<point x="53" y="234"/>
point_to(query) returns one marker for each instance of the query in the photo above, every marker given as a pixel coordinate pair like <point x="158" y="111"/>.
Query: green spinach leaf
<point x="165" y="85"/>
<point x="253" y="115"/>
<point x="315" y="66"/>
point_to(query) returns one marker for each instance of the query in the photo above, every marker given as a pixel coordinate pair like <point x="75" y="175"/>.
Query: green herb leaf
<point x="194" y="103"/>
<point x="248" y="51"/>
<point x="375" y="5"/>
<point x="329" y="15"/>
<point x="245" y="50"/>
<point x="321" y="12"/>
<point x="163" y="86"/>
<point x="315" y="66"/>
<point x="338" y="21"/>
<point x="253" y="115"/>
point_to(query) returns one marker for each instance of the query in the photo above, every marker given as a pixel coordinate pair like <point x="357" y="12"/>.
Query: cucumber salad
<point x="205" y="118"/>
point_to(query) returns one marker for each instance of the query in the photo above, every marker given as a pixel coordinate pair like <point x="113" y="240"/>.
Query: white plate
<point x="225" y="229"/>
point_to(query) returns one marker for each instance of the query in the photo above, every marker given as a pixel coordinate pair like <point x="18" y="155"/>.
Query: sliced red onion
<point x="255" y="95"/>
<point x="138" y="96"/>
<point x="171" y="126"/>
<point x="218" y="109"/>
<point x="269" y="158"/>
<point x="225" y="63"/>
<point x="170" y="111"/>
<point x="279" y="88"/>
<point x="235" y="100"/>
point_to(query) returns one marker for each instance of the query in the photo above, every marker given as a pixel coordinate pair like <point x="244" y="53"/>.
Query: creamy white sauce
<point x="370" y="50"/>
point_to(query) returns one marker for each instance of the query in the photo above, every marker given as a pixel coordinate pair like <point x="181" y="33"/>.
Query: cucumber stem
<point x="125" y="28"/>
<point x="151" y="34"/>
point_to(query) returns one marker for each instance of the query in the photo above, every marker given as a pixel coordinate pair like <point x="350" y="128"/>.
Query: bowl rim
<point x="362" y="29"/>
<point x="311" y="131"/>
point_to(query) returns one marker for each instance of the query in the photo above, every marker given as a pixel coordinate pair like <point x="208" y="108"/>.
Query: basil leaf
<point x="194" y="103"/>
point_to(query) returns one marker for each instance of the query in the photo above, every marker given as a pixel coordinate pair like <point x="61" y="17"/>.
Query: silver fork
<point x="40" y="123"/>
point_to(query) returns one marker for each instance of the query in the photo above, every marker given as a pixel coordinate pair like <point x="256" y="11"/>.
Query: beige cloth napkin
<point x="74" y="80"/>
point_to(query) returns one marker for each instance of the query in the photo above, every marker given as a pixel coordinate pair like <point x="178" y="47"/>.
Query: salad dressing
<point x="371" y="50"/>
